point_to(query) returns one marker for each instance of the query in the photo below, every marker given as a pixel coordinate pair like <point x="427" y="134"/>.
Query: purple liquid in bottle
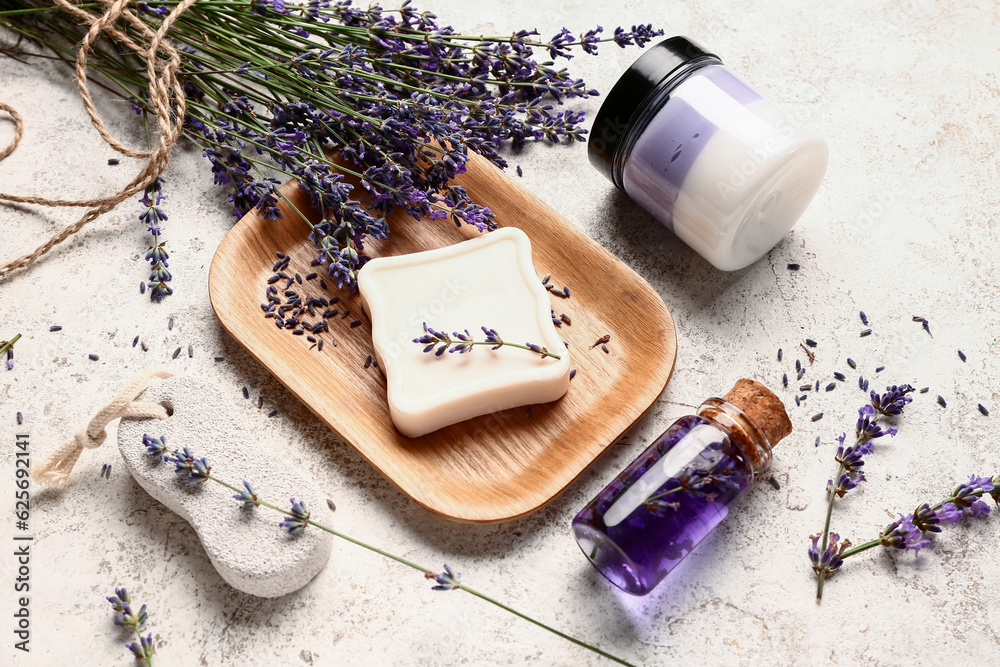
<point x="665" y="502"/>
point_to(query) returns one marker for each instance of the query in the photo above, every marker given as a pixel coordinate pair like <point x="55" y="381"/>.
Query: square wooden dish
<point x="492" y="468"/>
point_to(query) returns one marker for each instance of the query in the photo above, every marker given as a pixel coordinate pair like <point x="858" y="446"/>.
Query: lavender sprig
<point x="121" y="602"/>
<point x="298" y="518"/>
<point x="157" y="255"/>
<point x="7" y="346"/>
<point x="440" y="342"/>
<point x="849" y="475"/>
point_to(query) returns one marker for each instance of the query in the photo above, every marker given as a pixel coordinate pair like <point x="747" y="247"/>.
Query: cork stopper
<point x="764" y="409"/>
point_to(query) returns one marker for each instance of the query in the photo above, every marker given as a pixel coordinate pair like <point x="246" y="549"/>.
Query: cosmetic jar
<point x="725" y="168"/>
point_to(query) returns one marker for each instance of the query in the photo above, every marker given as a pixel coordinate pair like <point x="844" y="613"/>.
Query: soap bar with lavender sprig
<point x="488" y="281"/>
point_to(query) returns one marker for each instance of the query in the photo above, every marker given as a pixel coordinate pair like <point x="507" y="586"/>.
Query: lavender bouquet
<point x="269" y="87"/>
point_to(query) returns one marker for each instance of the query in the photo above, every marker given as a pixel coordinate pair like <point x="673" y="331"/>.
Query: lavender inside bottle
<point x="663" y="504"/>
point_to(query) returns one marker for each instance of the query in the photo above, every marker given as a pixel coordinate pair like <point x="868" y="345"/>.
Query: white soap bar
<point x="488" y="281"/>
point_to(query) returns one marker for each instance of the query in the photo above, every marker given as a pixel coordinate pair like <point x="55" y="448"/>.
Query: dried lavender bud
<point x="572" y="374"/>
<point x="56" y="327"/>
<point x="170" y="324"/>
<point x="917" y="318"/>
<point x="861" y="381"/>
<point x="346" y="313"/>
<point x="927" y="327"/>
<point x="879" y="369"/>
<point x="784" y="379"/>
<point x="565" y="318"/>
<point x="793" y="267"/>
<point x="817" y="441"/>
<point x="606" y="338"/>
<point x="190" y="352"/>
<point x="798" y="365"/>
<point x="864" y="318"/>
<point x="331" y="505"/>
<point x="368" y="361"/>
<point x="545" y="280"/>
<point x="810" y="342"/>
<point x="817" y="385"/>
<point x="774" y="483"/>
<point x="246" y="393"/>
<point x="319" y="345"/>
<point x="271" y="413"/>
<point x="176" y="353"/>
<point x="852" y="363"/>
<point x="519" y="172"/>
<point x="220" y="359"/>
<point x="355" y="324"/>
<point x="273" y="279"/>
<point x="93" y="357"/>
<point x="112" y="161"/>
<point x="941" y="401"/>
<point x="831" y="386"/>
<point x="606" y="350"/>
<point x="961" y="355"/>
<point x="803" y="397"/>
<point x="20" y="417"/>
<point x="840" y="376"/>
<point x="982" y="409"/>
<point x="802" y="372"/>
<point x="816" y="417"/>
<point x="298" y="278"/>
<point x="925" y="390"/>
<point x="806" y="387"/>
<point x="797" y="401"/>
<point x="566" y="291"/>
<point x="135" y="341"/>
<point x="866" y="332"/>
<point x="311" y="276"/>
<point x="142" y="344"/>
<point x="779" y="354"/>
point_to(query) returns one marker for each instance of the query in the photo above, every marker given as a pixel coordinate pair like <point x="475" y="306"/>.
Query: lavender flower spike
<point x="893" y="400"/>
<point x="829" y="561"/>
<point x="143" y="649"/>
<point x="156" y="447"/>
<point x="248" y="496"/>
<point x="903" y="534"/>
<point x="298" y="520"/>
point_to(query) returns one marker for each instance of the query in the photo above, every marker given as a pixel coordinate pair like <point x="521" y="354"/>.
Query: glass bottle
<point x="665" y="502"/>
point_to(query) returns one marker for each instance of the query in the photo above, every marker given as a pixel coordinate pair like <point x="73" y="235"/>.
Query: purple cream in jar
<point x="722" y="166"/>
<point x="682" y="486"/>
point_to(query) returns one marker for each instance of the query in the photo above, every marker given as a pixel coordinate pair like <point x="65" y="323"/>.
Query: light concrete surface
<point x="905" y="224"/>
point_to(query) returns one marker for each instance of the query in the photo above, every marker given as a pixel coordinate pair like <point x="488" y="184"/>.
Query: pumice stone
<point x="246" y="545"/>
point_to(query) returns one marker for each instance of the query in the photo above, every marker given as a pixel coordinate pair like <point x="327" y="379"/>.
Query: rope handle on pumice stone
<point x="55" y="468"/>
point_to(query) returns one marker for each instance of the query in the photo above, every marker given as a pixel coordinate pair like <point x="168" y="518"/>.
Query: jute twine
<point x="166" y="96"/>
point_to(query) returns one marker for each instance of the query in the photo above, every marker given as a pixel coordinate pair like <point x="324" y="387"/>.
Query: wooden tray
<point x="496" y="467"/>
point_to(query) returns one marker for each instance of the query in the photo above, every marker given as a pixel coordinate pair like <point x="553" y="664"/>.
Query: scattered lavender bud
<point x="866" y="385"/>
<point x="802" y="372"/>
<point x="810" y="342"/>
<point x="56" y="327"/>
<point x="135" y="341"/>
<point x="816" y="417"/>
<point x="864" y="318"/>
<point x="879" y="369"/>
<point x="925" y="390"/>
<point x="779" y="354"/>
<point x="368" y="361"/>
<point x="272" y="413"/>
<point x="982" y="408"/>
<point x="176" y="353"/>
<point x="831" y="386"/>
<point x="246" y="393"/>
<point x="927" y="327"/>
<point x="803" y="397"/>
<point x="103" y="469"/>
<point x="605" y="348"/>
<point x="917" y="318"/>
<point x="112" y="161"/>
<point x="565" y="318"/>
<point x="142" y="344"/>
<point x="961" y="355"/>
<point x="220" y="359"/>
<point x="519" y="172"/>
<point x="170" y="324"/>
<point x="322" y="283"/>
<point x="93" y="357"/>
<point x="108" y="473"/>
<point x="298" y="278"/>
<point x="851" y="363"/>
<point x="866" y="332"/>
<point x="20" y="417"/>
<point x="774" y="483"/>
<point x="331" y="505"/>
<point x="806" y="387"/>
<point x="572" y="373"/>
<point x="817" y="441"/>
<point x="260" y="401"/>
<point x="798" y="401"/>
<point x="861" y="381"/>
<point x="840" y="376"/>
<point x="817" y="385"/>
<point x="784" y="379"/>
<point x="793" y="267"/>
<point x="566" y="291"/>
<point x="798" y="365"/>
<point x="355" y="324"/>
<point x="606" y="338"/>
<point x="190" y="352"/>
<point x="319" y="345"/>
<point x="142" y="287"/>
<point x="942" y="402"/>
<point x="545" y="280"/>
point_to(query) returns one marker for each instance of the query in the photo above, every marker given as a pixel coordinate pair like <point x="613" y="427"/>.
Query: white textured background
<point x="906" y="223"/>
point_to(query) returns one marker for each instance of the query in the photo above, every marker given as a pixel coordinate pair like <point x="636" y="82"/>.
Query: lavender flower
<point x="829" y="561"/>
<point x="448" y="580"/>
<point x="440" y="342"/>
<point x="247" y="496"/>
<point x="157" y="255"/>
<point x="893" y="400"/>
<point x="298" y="519"/>
<point x="143" y="649"/>
<point x="196" y="469"/>
<point x="902" y="534"/>
<point x="121" y="602"/>
<point x="969" y="495"/>
<point x="156" y="447"/>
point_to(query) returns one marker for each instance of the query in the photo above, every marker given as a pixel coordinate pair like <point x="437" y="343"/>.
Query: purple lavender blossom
<point x="247" y="496"/>
<point x="197" y="469"/>
<point x="156" y="447"/>
<point x="448" y="580"/>
<point x="969" y="495"/>
<point x="829" y="561"/>
<point x="298" y="519"/>
<point x="903" y="534"/>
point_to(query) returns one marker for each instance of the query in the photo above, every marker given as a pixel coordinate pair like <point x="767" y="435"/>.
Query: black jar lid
<point x="639" y="87"/>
